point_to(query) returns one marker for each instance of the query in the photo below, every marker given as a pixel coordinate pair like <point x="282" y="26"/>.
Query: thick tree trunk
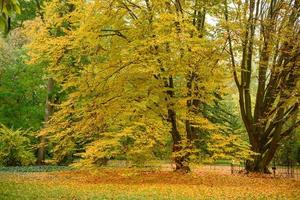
<point x="259" y="163"/>
<point x="49" y="109"/>
<point x="181" y="162"/>
<point x="256" y="166"/>
<point x="265" y="150"/>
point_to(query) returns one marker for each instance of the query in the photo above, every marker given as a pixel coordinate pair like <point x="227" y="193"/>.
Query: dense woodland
<point x="187" y="81"/>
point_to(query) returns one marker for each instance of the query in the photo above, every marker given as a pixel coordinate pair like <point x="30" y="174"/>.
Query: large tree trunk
<point x="256" y="166"/>
<point x="261" y="161"/>
<point x="49" y="109"/>
<point x="181" y="160"/>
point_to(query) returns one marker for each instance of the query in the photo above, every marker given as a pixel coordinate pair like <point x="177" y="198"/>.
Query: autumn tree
<point x="263" y="46"/>
<point x="135" y="72"/>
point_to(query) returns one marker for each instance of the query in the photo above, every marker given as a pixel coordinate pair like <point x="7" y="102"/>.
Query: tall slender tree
<point x="263" y="37"/>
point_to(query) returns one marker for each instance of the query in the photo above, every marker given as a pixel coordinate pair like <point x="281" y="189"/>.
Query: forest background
<point x="194" y="81"/>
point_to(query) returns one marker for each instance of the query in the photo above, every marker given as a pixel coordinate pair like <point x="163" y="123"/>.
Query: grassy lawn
<point x="141" y="184"/>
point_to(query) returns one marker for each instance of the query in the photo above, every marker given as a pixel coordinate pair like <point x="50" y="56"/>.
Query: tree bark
<point x="256" y="166"/>
<point x="49" y="109"/>
<point x="181" y="162"/>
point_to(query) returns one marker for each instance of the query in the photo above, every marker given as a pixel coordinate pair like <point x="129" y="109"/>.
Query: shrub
<point x="15" y="147"/>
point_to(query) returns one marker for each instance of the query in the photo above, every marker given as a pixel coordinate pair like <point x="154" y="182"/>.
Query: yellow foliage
<point x="112" y="58"/>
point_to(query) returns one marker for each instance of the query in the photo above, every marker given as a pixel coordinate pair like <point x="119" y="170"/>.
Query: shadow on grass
<point x="45" y="168"/>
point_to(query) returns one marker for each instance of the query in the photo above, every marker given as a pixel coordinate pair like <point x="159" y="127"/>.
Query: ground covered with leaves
<point x="142" y="184"/>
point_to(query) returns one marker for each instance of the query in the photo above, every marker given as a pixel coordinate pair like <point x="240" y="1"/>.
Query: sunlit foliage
<point x="133" y="72"/>
<point x="15" y="147"/>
